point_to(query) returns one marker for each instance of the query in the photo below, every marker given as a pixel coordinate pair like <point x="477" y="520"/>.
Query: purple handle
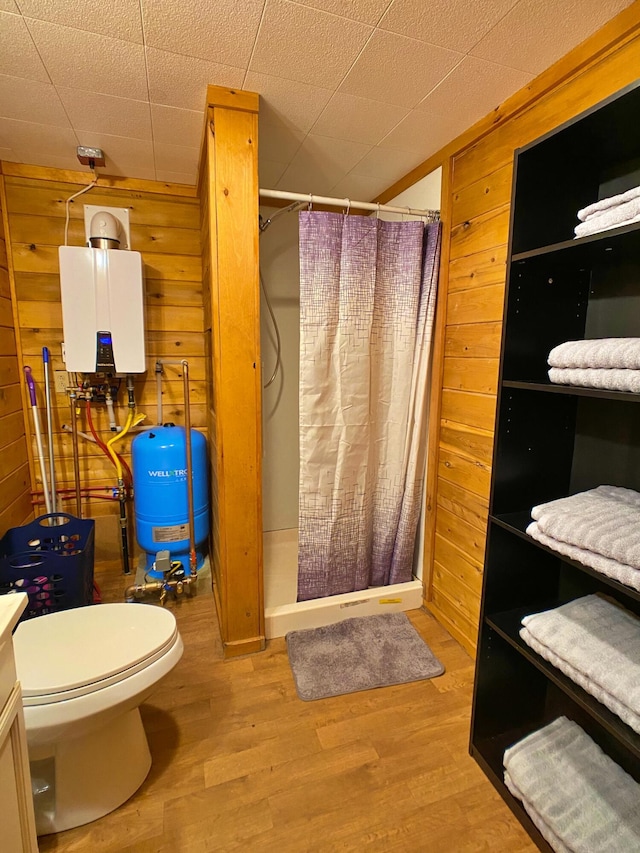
<point x="31" y="384"/>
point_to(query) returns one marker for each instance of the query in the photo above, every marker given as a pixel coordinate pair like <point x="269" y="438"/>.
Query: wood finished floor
<point x="240" y="763"/>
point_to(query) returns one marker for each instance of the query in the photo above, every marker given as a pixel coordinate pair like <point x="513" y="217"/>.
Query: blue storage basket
<point x="52" y="564"/>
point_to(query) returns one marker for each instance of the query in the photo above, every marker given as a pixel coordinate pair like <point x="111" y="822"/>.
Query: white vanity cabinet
<point x="18" y="829"/>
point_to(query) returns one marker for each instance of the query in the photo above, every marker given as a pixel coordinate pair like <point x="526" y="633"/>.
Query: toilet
<point x="84" y="673"/>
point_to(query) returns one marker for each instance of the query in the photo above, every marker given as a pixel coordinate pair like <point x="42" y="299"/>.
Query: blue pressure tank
<point x="161" y="501"/>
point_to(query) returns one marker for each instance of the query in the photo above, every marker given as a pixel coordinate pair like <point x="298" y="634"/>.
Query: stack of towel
<point x="609" y="213"/>
<point x="599" y="528"/>
<point x="596" y="643"/>
<point x="579" y="799"/>
<point x="612" y="364"/>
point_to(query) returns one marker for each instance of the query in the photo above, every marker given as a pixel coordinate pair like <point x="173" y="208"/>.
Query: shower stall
<point x="280" y="352"/>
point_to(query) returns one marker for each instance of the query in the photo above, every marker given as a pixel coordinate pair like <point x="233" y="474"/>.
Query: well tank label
<point x="175" y="533"/>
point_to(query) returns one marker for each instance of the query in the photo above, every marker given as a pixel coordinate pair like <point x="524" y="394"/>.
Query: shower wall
<point x="279" y="262"/>
<point x="280" y="267"/>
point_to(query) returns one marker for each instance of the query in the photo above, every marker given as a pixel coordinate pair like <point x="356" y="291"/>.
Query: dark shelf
<point x="616" y="244"/>
<point x="517" y="523"/>
<point x="507" y="625"/>
<point x="572" y="390"/>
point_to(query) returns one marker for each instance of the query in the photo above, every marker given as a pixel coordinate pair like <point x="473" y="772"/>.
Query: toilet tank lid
<point x="88" y="645"/>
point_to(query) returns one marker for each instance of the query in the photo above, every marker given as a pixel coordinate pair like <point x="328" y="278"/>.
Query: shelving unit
<point x="554" y="440"/>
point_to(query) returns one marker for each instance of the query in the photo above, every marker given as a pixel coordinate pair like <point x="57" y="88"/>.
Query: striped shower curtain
<point x="367" y="301"/>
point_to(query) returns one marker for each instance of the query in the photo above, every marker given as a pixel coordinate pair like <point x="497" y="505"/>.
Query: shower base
<point x="283" y="613"/>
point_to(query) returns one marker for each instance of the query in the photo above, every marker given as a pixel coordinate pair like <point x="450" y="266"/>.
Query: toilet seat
<point x="74" y="653"/>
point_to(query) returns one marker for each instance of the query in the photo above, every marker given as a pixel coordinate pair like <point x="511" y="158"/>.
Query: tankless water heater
<point x="102" y="308"/>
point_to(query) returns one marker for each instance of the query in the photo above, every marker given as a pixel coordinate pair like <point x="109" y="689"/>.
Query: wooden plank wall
<point x="165" y="228"/>
<point x="472" y="289"/>
<point x="15" y="498"/>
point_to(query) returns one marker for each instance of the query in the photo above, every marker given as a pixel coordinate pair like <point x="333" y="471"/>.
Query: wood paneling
<point x="229" y="191"/>
<point x="165" y="229"/>
<point x="15" y="507"/>
<point x="466" y="366"/>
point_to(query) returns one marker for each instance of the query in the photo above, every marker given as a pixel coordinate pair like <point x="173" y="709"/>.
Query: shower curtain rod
<point x="433" y="215"/>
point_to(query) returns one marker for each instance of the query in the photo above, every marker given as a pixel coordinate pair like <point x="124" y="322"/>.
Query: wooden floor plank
<point x="241" y="763"/>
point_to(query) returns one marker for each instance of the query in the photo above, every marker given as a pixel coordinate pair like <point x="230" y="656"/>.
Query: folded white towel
<point x="597" y="353"/>
<point x="596" y="643"/>
<point x="605" y="379"/>
<point x="604" y="204"/>
<point x="605" y="520"/>
<point x="544" y="829"/>
<point x="608" y="221"/>
<point x="588" y="802"/>
<point x="620" y="572"/>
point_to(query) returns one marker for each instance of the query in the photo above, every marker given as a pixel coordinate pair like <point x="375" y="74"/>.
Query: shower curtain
<point x="367" y="300"/>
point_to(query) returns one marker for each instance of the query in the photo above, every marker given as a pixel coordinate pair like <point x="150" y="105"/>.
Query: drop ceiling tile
<point x="107" y="114"/>
<point x="117" y="18"/>
<point x="320" y="153"/>
<point x="424" y="133"/>
<point x="386" y="163"/>
<point x="476" y="87"/>
<point x="224" y="32"/>
<point x="67" y="161"/>
<point x="9" y="6"/>
<point x="366" y="11"/>
<point x="124" y="156"/>
<point x="174" y="126"/>
<point x="277" y="141"/>
<point x="18" y="54"/>
<point x="31" y="100"/>
<point x="455" y="24"/>
<point x="398" y="70"/>
<point x="307" y="45"/>
<point x="90" y="61"/>
<point x="358" y="119"/>
<point x="181" y="81"/>
<point x="176" y="177"/>
<point x="301" y="179"/>
<point x="270" y="172"/>
<point x="358" y="188"/>
<point x="176" y="158"/>
<point x="28" y="139"/>
<point x="287" y="101"/>
<point x="535" y="33"/>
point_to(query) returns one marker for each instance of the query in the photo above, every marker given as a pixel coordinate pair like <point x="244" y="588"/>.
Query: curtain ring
<point x="378" y="210"/>
<point x="346" y="213"/>
<point x="310" y="206"/>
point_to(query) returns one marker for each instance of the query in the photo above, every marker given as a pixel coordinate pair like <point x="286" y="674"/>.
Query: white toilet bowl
<point x="84" y="673"/>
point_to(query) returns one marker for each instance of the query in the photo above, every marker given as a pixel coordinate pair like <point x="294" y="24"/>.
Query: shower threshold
<point x="283" y="618"/>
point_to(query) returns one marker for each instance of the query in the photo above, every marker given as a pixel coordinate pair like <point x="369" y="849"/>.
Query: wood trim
<point x="435" y="391"/>
<point x="113" y="182"/>
<point x="608" y="38"/>
<point x="232" y="99"/>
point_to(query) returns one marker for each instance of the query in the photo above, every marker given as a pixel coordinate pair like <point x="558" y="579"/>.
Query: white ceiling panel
<point x="354" y="93"/>
<point x="31" y="100"/>
<point x="476" y="87"/>
<point x="398" y="70"/>
<point x="181" y="81"/>
<point x="118" y="18"/>
<point x="222" y="32"/>
<point x="18" y="54"/>
<point x="358" y="119"/>
<point x="565" y="25"/>
<point x="106" y="113"/>
<point x="307" y="45"/>
<point x="455" y="24"/>
<point x="90" y="61"/>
